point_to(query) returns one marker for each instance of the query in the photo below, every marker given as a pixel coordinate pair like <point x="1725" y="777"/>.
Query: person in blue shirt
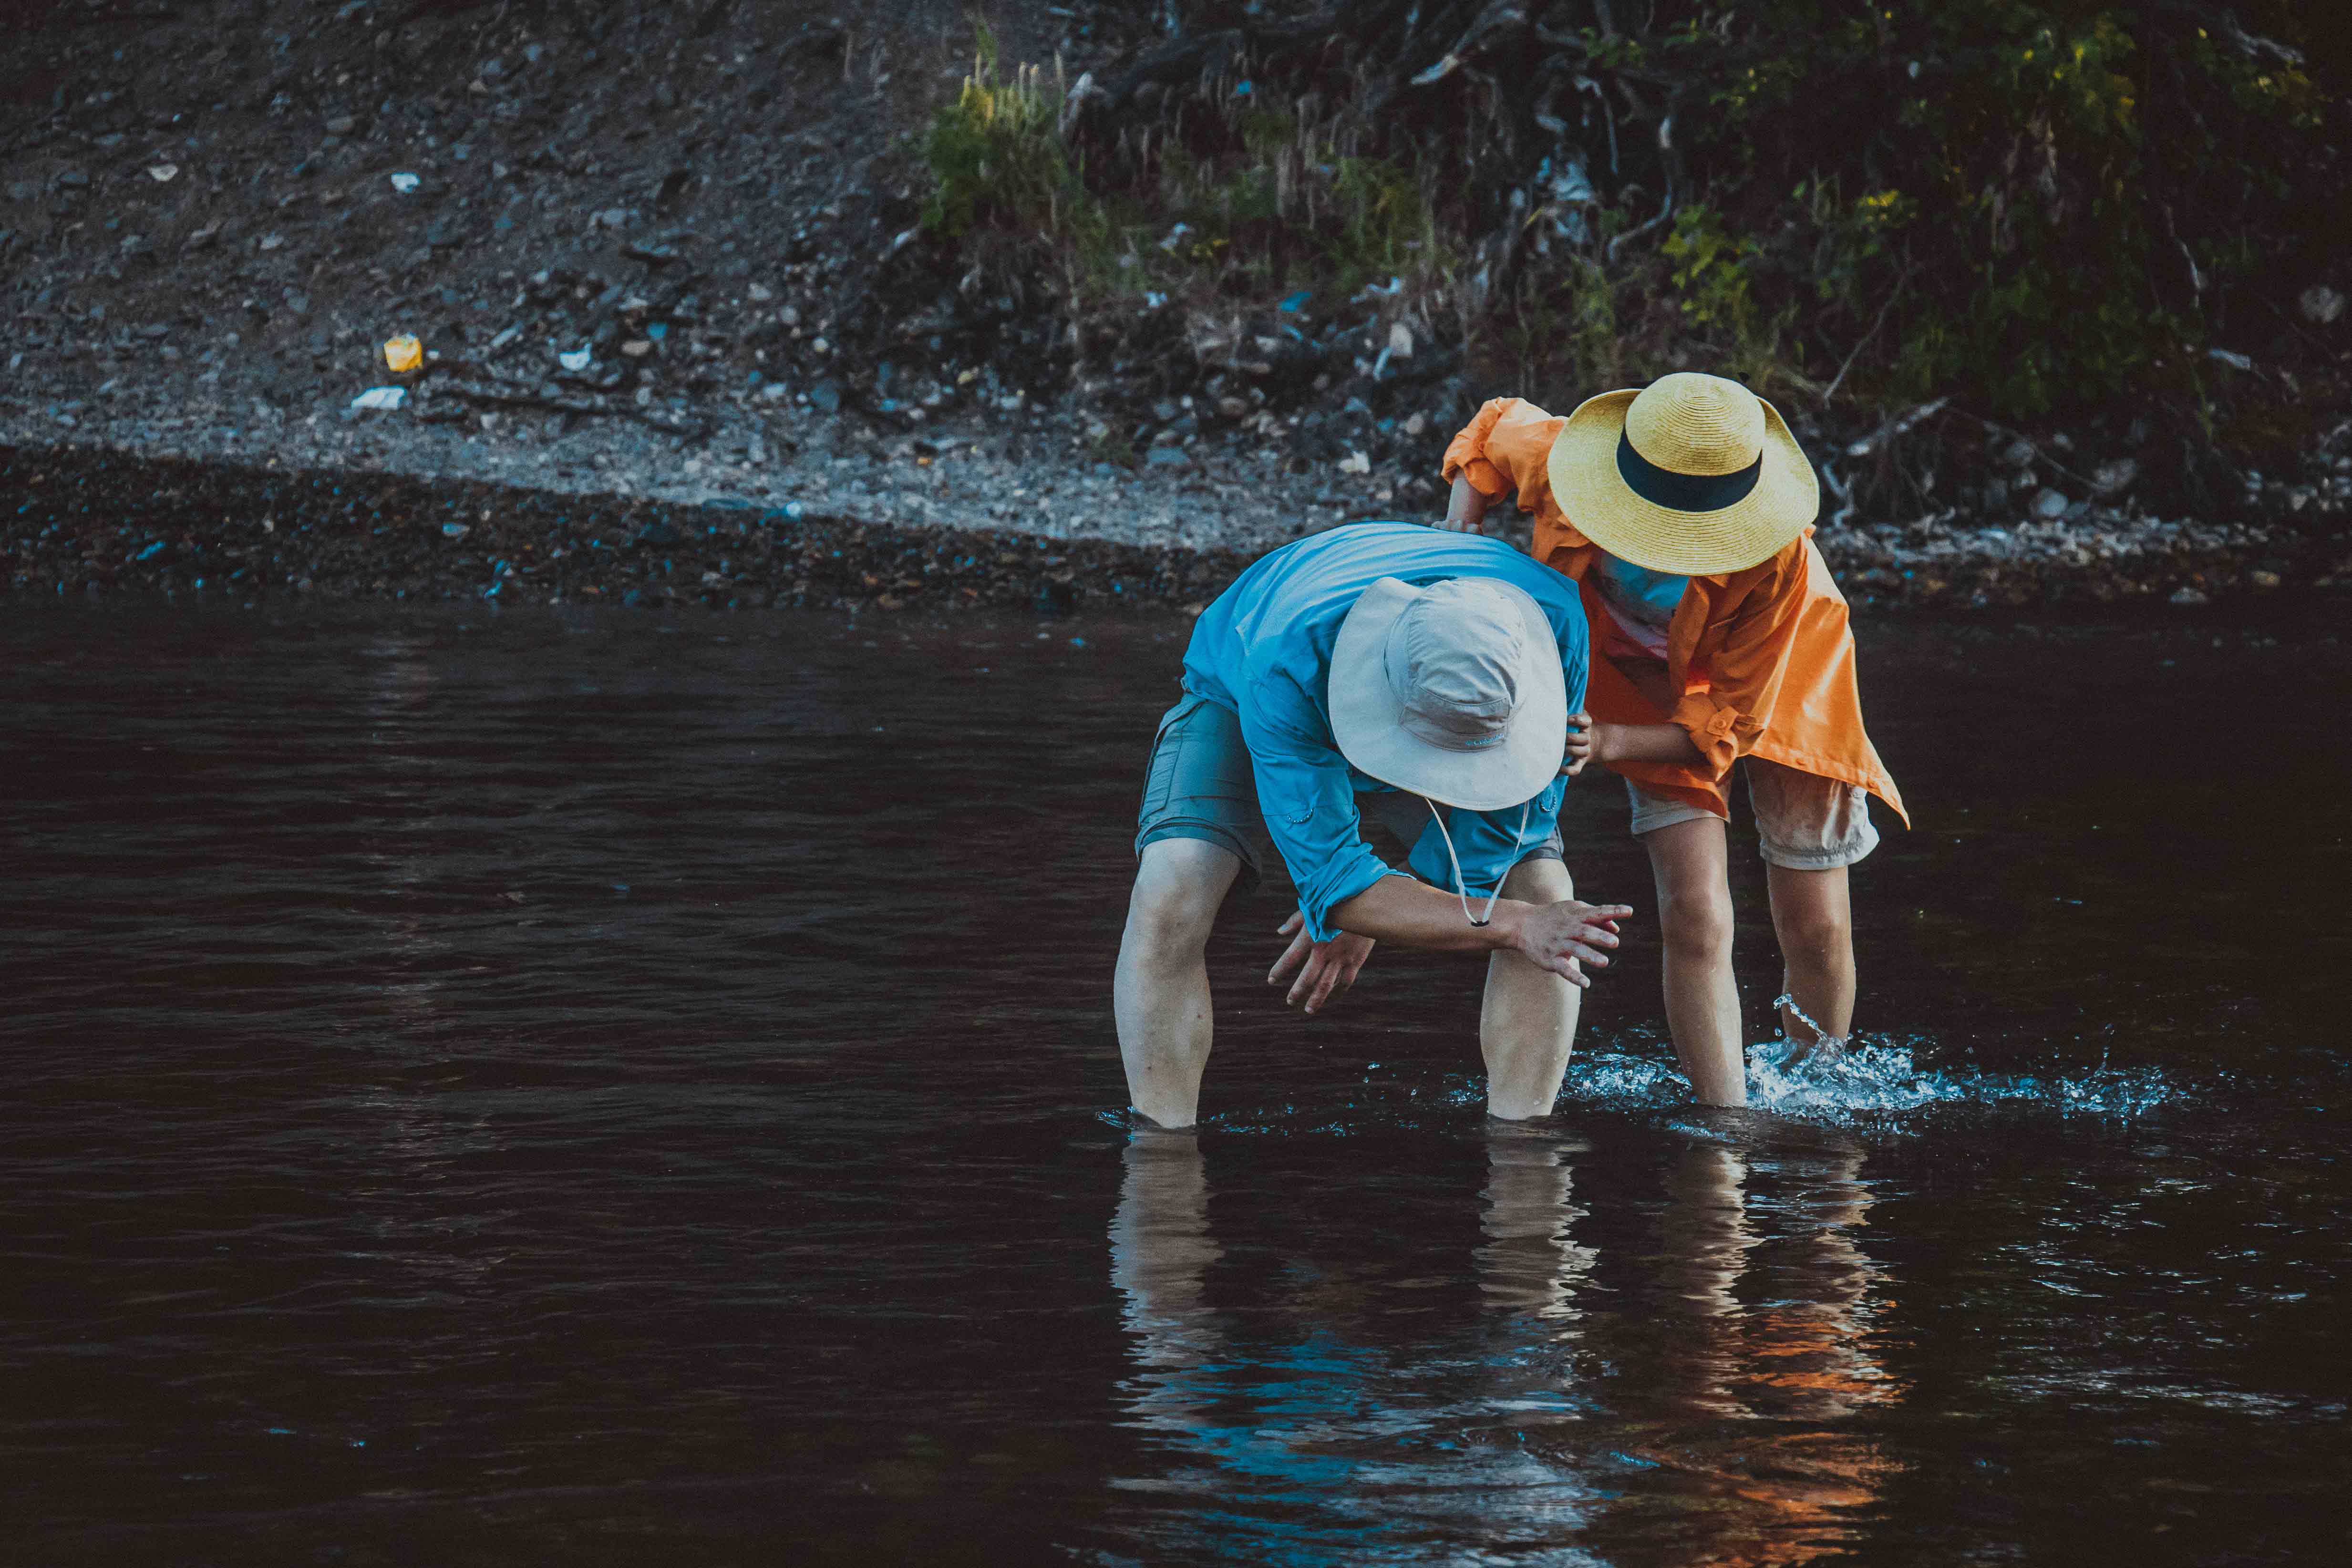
<point x="1428" y="681"/>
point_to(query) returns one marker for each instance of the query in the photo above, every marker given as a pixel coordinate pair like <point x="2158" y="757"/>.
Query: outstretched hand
<point x="1567" y="936"/>
<point x="1325" y="968"/>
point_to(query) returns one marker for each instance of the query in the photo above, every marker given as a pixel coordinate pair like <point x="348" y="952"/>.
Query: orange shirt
<point x="1763" y="657"/>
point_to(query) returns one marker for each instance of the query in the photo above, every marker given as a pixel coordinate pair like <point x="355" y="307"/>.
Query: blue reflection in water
<point x="1723" y="1427"/>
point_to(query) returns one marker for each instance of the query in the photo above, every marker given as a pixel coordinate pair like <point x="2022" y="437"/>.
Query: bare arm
<point x="1562" y="937"/>
<point x="1644" y="744"/>
<point x="1466" y="510"/>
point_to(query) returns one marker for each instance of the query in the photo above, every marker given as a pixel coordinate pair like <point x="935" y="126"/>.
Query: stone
<point x="2114" y="478"/>
<point x="341" y="125"/>
<point x="826" y="397"/>
<point x="2188" y="596"/>
<point x="1167" y="458"/>
<point x="2019" y="454"/>
<point x="2321" y="305"/>
<point x="2050" y="505"/>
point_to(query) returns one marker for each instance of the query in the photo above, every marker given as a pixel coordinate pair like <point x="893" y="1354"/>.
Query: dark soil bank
<point x="85" y="525"/>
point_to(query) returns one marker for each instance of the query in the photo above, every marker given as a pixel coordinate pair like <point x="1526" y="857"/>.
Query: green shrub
<point x="998" y="158"/>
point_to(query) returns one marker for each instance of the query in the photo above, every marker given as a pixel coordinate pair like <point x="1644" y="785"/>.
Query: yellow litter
<point x="404" y="353"/>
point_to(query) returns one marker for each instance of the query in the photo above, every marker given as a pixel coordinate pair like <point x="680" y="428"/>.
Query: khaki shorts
<point x="1806" y="823"/>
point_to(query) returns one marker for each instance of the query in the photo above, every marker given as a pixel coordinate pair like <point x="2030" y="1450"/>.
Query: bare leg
<point x="1813" y="918"/>
<point x="1527" y="1024"/>
<point x="1160" y="991"/>
<point x="1694" y="924"/>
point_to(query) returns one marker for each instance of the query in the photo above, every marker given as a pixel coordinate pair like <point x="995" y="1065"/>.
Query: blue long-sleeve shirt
<point x="1264" y="649"/>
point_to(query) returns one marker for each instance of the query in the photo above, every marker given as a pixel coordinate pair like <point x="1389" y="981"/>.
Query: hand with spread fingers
<point x="1567" y="936"/>
<point x="1325" y="968"/>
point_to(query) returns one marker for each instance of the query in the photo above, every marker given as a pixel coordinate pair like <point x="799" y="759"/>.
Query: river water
<point x="506" y="1088"/>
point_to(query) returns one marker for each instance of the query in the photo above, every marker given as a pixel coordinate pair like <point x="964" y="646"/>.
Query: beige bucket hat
<point x="1692" y="475"/>
<point x="1453" y="691"/>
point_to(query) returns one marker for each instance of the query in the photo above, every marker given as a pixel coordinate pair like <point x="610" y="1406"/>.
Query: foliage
<point x="997" y="156"/>
<point x="2052" y="198"/>
<point x="1253" y="199"/>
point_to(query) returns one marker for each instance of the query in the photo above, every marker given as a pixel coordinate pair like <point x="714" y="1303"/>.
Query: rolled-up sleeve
<point x="1465" y="456"/>
<point x="1508" y="447"/>
<point x="1308" y="803"/>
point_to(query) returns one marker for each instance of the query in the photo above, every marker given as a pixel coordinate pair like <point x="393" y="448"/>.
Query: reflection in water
<point x="1314" y="1446"/>
<point x="1159" y="1247"/>
<point x="1768" y="1349"/>
<point x="1528" y="1263"/>
<point x="1753" y="1310"/>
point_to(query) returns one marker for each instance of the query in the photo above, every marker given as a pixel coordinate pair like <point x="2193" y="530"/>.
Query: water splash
<point x="1878" y="1083"/>
<point x="1822" y="1039"/>
<point x="1878" y="1080"/>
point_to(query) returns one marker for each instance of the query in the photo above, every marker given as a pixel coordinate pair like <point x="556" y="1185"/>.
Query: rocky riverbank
<point x="92" y="519"/>
<point x="681" y="338"/>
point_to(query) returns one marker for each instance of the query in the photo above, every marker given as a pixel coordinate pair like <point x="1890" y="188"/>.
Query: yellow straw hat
<point x="1692" y="475"/>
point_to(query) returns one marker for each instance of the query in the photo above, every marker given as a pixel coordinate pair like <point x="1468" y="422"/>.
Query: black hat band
<point x="1683" y="492"/>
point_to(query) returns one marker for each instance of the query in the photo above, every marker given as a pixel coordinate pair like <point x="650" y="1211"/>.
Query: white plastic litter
<point x="162" y="173"/>
<point x="405" y="183"/>
<point x="380" y="397"/>
<point x="575" y="358"/>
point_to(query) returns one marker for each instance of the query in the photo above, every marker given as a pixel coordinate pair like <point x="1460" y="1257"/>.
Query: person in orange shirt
<point x="1684" y="513"/>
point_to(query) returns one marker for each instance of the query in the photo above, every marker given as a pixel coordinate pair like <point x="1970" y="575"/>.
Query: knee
<point x="1696" y="925"/>
<point x="1540" y="881"/>
<point x="1812" y="930"/>
<point x="1167" y="915"/>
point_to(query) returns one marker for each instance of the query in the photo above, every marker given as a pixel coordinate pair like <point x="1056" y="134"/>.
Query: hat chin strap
<point x="1462" y="888"/>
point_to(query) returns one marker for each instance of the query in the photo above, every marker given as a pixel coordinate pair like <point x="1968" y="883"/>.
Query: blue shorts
<point x="1199" y="785"/>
